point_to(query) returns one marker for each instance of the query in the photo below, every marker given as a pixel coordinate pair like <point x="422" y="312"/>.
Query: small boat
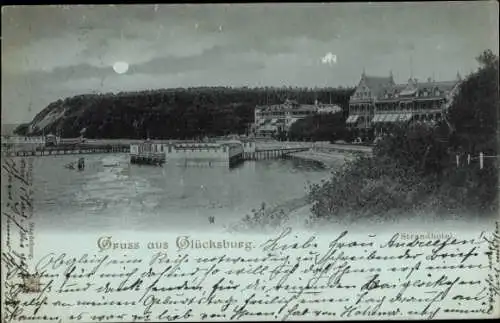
<point x="81" y="163"/>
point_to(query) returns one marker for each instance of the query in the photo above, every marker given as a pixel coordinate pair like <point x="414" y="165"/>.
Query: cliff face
<point x="173" y="113"/>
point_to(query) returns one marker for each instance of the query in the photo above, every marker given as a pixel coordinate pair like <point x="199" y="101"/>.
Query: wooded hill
<point x="169" y="113"/>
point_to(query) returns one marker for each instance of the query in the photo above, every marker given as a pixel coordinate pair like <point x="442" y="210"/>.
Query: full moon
<point x="120" y="67"/>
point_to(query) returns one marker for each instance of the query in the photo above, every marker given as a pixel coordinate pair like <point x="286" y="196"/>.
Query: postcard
<point x="250" y="162"/>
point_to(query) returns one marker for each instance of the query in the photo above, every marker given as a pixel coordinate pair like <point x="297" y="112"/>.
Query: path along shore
<point x="298" y="207"/>
<point x="328" y="159"/>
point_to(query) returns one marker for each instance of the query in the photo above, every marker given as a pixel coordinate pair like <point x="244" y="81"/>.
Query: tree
<point x="474" y="112"/>
<point x="418" y="146"/>
<point x="327" y="127"/>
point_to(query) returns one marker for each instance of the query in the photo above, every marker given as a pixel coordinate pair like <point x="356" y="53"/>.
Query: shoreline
<point x="329" y="160"/>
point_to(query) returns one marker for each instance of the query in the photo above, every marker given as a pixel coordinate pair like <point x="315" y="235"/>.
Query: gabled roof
<point x="445" y="86"/>
<point x="391" y="92"/>
<point x="377" y="84"/>
<point x="412" y="89"/>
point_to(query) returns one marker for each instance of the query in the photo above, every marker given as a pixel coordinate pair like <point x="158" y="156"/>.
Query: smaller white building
<point x="225" y="153"/>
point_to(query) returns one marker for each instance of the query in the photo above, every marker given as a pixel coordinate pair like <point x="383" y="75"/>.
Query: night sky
<point x="54" y="52"/>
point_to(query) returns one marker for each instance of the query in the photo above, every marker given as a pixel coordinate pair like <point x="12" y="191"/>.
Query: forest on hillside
<point x="170" y="113"/>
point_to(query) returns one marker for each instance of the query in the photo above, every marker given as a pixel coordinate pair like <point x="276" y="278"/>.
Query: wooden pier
<point x="271" y="153"/>
<point x="74" y="150"/>
<point x="228" y="153"/>
<point x="159" y="158"/>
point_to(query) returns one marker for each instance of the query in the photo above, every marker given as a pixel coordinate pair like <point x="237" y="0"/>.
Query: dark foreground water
<point x="112" y="194"/>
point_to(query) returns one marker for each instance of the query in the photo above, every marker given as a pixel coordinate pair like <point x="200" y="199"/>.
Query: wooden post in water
<point x="481" y="160"/>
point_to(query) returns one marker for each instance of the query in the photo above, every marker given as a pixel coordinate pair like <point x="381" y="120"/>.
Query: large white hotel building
<point x="378" y="102"/>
